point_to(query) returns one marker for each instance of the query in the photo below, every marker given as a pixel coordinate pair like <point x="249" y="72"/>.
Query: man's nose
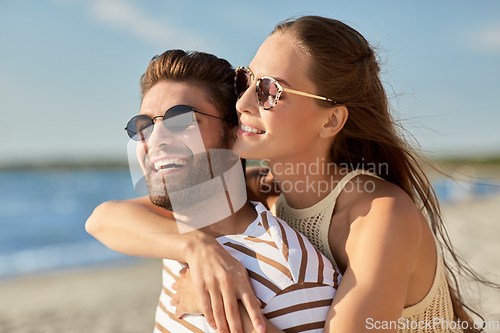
<point x="160" y="136"/>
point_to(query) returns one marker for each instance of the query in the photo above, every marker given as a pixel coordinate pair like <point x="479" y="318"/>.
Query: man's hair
<point x="205" y="70"/>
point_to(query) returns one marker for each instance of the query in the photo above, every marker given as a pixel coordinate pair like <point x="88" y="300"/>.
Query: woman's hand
<point x="185" y="300"/>
<point x="137" y="227"/>
<point x="219" y="281"/>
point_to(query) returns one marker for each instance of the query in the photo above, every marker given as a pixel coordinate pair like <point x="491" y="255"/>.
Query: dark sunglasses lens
<point x="140" y="127"/>
<point x="241" y="81"/>
<point x="178" y="118"/>
<point x="266" y="93"/>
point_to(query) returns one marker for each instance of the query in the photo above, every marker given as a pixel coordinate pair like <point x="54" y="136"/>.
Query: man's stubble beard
<point x="198" y="173"/>
<point x="159" y="193"/>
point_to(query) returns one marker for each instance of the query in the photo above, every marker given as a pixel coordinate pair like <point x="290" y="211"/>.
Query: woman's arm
<point x="381" y="248"/>
<point x="138" y="228"/>
<point x="261" y="186"/>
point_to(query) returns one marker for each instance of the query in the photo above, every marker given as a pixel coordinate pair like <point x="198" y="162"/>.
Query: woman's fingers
<point x="179" y="313"/>
<point x="206" y="308"/>
<point x="183" y="270"/>
<point x="174" y="300"/>
<point x="231" y="311"/>
<point x="252" y="305"/>
<point x="204" y="299"/>
<point x="179" y="310"/>
<point x="218" y="311"/>
<point x="220" y="281"/>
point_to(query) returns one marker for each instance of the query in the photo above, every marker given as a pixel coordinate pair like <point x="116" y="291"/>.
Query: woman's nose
<point x="247" y="103"/>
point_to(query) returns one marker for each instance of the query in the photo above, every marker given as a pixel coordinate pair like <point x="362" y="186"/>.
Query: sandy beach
<point x="100" y="299"/>
<point x="474" y="228"/>
<point x="122" y="298"/>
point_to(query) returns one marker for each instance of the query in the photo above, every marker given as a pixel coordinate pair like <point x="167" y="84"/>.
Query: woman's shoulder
<point x="377" y="206"/>
<point x="368" y="193"/>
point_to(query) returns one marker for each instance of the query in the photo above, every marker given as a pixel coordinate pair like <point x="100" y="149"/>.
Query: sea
<point x="43" y="215"/>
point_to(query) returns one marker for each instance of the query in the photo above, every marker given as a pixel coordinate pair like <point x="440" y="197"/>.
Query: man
<point x="177" y="151"/>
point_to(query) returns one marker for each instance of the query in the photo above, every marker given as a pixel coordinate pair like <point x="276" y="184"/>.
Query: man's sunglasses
<point x="176" y="119"/>
<point x="268" y="89"/>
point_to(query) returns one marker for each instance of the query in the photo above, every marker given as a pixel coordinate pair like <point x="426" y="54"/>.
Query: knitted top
<point x="314" y="223"/>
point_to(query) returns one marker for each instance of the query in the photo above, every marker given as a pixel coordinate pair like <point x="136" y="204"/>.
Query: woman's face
<point x="289" y="131"/>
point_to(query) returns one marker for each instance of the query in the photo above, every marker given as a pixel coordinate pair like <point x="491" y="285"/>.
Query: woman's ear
<point x="337" y="116"/>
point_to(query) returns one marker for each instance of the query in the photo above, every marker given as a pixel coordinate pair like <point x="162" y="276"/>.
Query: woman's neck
<point x="307" y="181"/>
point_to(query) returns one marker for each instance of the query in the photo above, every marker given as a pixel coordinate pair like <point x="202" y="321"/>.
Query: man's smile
<point x="168" y="164"/>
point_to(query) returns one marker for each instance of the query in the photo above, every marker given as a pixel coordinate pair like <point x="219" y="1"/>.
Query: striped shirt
<point x="294" y="282"/>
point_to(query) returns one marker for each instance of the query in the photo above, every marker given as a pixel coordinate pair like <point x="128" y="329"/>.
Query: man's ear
<point x="337" y="116"/>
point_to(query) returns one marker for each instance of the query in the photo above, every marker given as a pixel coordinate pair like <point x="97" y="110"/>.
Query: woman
<point x="320" y="103"/>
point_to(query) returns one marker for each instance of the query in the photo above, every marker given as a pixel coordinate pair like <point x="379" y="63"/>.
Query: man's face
<point x="177" y="160"/>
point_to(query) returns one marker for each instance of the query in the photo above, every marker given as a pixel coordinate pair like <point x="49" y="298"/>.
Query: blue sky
<point x="69" y="70"/>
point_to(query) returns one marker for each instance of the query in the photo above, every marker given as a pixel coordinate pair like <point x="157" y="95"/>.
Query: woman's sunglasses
<point x="268" y="89"/>
<point x="176" y="119"/>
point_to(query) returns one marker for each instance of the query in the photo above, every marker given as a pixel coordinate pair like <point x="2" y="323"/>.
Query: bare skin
<point x="383" y="247"/>
<point x="137" y="227"/>
<point x="354" y="231"/>
<point x="219" y="280"/>
<point x="191" y="304"/>
<point x="379" y="238"/>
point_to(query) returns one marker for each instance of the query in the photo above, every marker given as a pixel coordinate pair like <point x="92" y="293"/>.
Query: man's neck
<point x="234" y="224"/>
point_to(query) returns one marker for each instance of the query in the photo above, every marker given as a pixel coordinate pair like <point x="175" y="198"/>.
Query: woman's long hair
<point x="344" y="68"/>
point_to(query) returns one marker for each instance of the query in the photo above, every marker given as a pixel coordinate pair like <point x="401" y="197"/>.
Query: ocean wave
<point x="55" y="256"/>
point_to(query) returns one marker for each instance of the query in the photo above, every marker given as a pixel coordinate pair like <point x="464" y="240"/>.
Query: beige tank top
<point x="314" y="223"/>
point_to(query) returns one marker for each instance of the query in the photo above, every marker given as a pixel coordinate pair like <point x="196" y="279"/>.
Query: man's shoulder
<point x="304" y="259"/>
<point x="288" y="270"/>
<point x="272" y="247"/>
